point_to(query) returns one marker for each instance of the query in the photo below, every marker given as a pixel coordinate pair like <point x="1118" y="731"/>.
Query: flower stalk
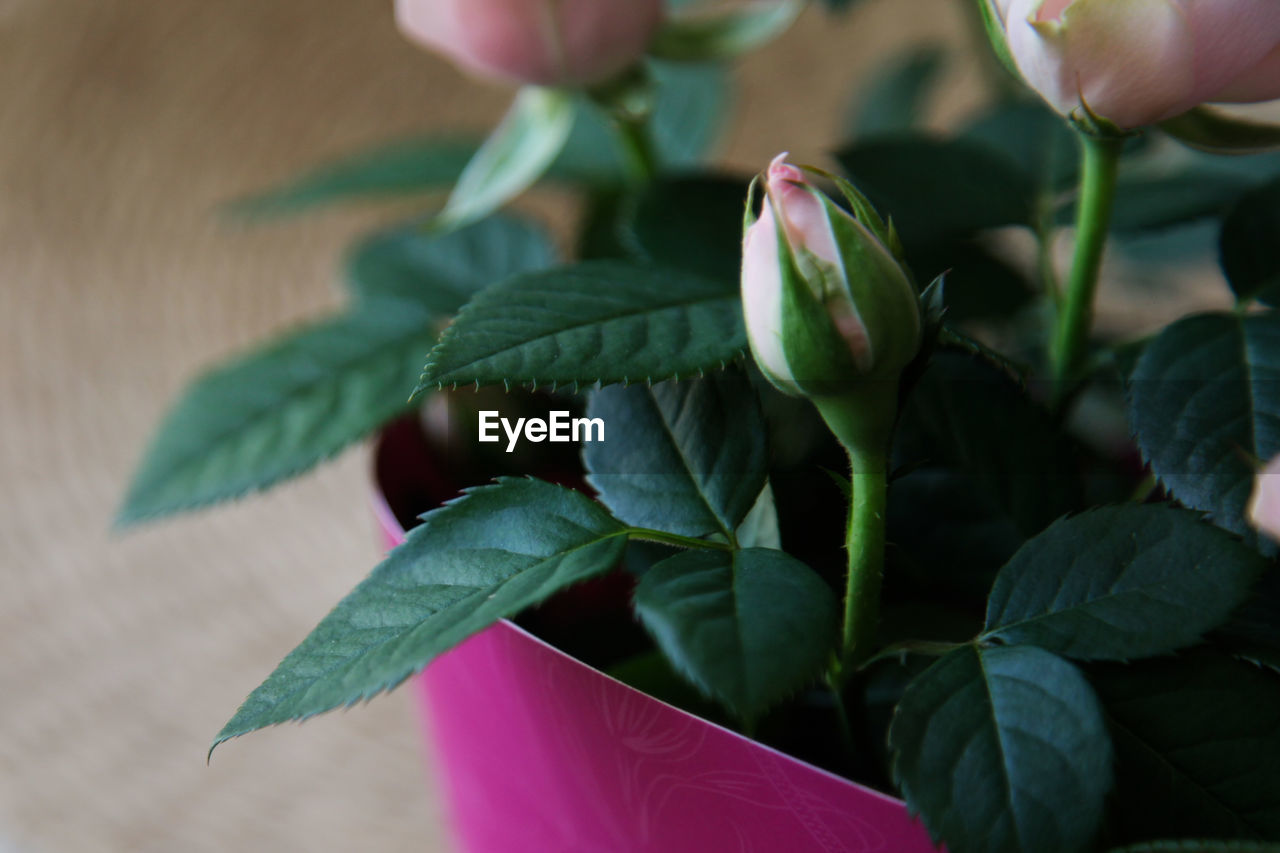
<point x="1100" y="158"/>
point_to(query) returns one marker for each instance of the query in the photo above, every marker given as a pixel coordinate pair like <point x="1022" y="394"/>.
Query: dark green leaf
<point x="518" y="152"/>
<point x="747" y="627"/>
<point x="685" y="457"/>
<point x="277" y="411"/>
<point x="1254" y="631"/>
<point x="691" y="224"/>
<point x="968" y="415"/>
<point x="1197" y="742"/>
<point x="896" y="97"/>
<point x="483" y="557"/>
<point x="978" y="285"/>
<point x="1219" y="133"/>
<point x="950" y="536"/>
<point x="594" y="322"/>
<point x="1121" y="582"/>
<point x="938" y="188"/>
<point x="1250" y="244"/>
<point x="1165" y="200"/>
<point x="1204" y="403"/>
<point x="1003" y="750"/>
<point x="1033" y="136"/>
<point x="397" y="168"/>
<point x="442" y="270"/>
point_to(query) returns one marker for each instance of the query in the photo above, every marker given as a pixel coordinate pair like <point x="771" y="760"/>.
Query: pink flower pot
<point x="540" y="753"/>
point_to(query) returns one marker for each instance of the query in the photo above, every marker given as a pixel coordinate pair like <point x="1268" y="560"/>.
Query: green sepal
<point x="995" y="34"/>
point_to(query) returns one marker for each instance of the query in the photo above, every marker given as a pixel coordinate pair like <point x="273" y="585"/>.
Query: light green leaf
<point x="1003" y="750"/>
<point x="402" y="167"/>
<point x="746" y="627"/>
<point x="593" y="322"/>
<point x="277" y="411"/>
<point x="1217" y="132"/>
<point x="1121" y="582"/>
<point x="685" y="457"/>
<point x="1204" y="404"/>
<point x="515" y="155"/>
<point x="483" y="557"/>
<point x="727" y="34"/>
<point x="441" y="271"/>
<point x="761" y="529"/>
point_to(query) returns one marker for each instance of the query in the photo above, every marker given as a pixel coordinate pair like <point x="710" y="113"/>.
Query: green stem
<point x="637" y="148"/>
<point x="675" y="539"/>
<point x="1100" y="159"/>
<point x="864" y="544"/>
<point x="863" y="422"/>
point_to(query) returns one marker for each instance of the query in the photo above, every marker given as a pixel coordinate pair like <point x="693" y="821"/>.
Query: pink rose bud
<point x="1264" y="506"/>
<point x="539" y="42"/>
<point x="1138" y="62"/>
<point x="825" y="301"/>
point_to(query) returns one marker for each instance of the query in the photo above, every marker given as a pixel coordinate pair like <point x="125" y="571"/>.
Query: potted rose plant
<point x="859" y="479"/>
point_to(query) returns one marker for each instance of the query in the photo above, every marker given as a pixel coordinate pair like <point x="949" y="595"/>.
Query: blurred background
<point x="126" y="127"/>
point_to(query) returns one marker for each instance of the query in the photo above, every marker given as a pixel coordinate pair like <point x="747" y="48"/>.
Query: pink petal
<point x="1259" y="83"/>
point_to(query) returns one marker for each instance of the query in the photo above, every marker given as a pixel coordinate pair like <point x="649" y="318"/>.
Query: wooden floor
<point x="123" y="125"/>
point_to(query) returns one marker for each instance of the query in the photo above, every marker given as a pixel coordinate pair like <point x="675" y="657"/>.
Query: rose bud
<point x="539" y="42"/>
<point x="1139" y="62"/>
<point x="1264" y="505"/>
<point x="827" y="304"/>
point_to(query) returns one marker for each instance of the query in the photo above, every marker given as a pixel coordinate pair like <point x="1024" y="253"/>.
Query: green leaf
<point x="895" y="99"/>
<point x="1217" y="132"/>
<point x="979" y="284"/>
<point x="1035" y="137"/>
<point x="1119" y="583"/>
<point x="939" y="188"/>
<point x="440" y="271"/>
<point x="593" y="322"/>
<point x="483" y="557"/>
<point x="277" y="411"/>
<point x="1003" y="750"/>
<point x="1249" y="247"/>
<point x="690" y="223"/>
<point x="1253" y="633"/>
<point x="970" y="416"/>
<point x="1204" y="404"/>
<point x="746" y="627"/>
<point x="689" y="112"/>
<point x="761" y="529"/>
<point x="396" y="168"/>
<point x="520" y="149"/>
<point x="685" y="457"/>
<point x="1197" y="742"/>
<point x="726" y="34"/>
<point x="1149" y="202"/>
